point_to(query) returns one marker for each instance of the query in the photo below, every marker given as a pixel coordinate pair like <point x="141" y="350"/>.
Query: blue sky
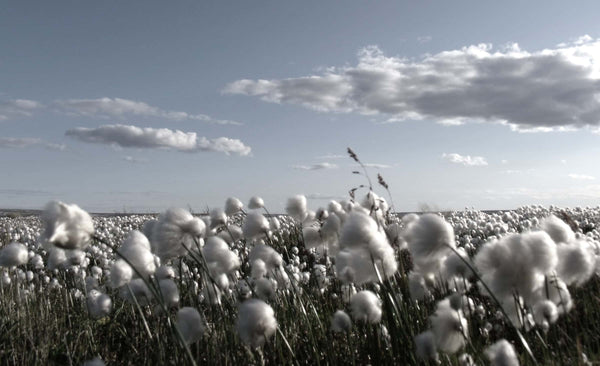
<point x="145" y="105"/>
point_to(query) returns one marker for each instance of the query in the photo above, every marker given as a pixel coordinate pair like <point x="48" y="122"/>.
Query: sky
<point x="138" y="106"/>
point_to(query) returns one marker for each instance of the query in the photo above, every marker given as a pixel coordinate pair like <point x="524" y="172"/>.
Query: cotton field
<point x="348" y="283"/>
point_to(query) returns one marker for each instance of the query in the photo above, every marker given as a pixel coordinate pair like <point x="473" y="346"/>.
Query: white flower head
<point x="13" y="254"/>
<point x="66" y="226"/>
<point x="256" y="203"/>
<point x="366" y="307"/>
<point x="502" y="353"/>
<point x="256" y="322"/>
<point x="233" y="206"/>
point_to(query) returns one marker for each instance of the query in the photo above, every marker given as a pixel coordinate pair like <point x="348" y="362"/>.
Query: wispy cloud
<point x="156" y="138"/>
<point x="332" y="156"/>
<point x="23" y="142"/>
<point x="122" y="108"/>
<point x="18" y="107"/>
<point x="466" y="160"/>
<point x="318" y="166"/>
<point x="551" y="89"/>
<point x="377" y="166"/>
<point x="581" y="177"/>
<point x="424" y="39"/>
<point x="134" y="160"/>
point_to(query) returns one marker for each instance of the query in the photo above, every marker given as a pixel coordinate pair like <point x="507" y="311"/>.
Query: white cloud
<point x="581" y="177"/>
<point x="152" y="138"/>
<point x="424" y="39"/>
<point x="134" y="160"/>
<point x="332" y="156"/>
<point x="377" y="166"/>
<point x="318" y="166"/>
<point x="23" y="142"/>
<point x="551" y="89"/>
<point x="17" y="108"/>
<point x="121" y="108"/>
<point x="466" y="160"/>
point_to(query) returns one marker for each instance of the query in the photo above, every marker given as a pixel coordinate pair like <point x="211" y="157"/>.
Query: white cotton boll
<point x="66" y="226"/>
<point x="99" y="305"/>
<point x="256" y="203"/>
<point x="429" y="239"/>
<point x="259" y="269"/>
<point x="341" y="322"/>
<point x="176" y="233"/>
<point x="545" y="311"/>
<point x="136" y="248"/>
<point x="256" y="322"/>
<point x="296" y="207"/>
<point x="517" y="262"/>
<point x="233" y="205"/>
<point x="576" y="262"/>
<point x="281" y="277"/>
<point x="425" y="346"/>
<point x="502" y="353"/>
<point x="13" y="254"/>
<point x="169" y="292"/>
<point x="543" y="251"/>
<point x="219" y="257"/>
<point x="449" y="327"/>
<point x="409" y="218"/>
<point x="255" y="226"/>
<point x="56" y="258"/>
<point x="232" y="234"/>
<point x="558" y="230"/>
<point x="366" y="307"/>
<point x="37" y="262"/>
<point x="217" y="217"/>
<point x="120" y="273"/>
<point x="267" y="254"/>
<point x="94" y="362"/>
<point x="190" y="324"/>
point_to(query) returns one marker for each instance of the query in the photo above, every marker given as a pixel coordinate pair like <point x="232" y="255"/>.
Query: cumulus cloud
<point x="466" y="160"/>
<point x="152" y="138"/>
<point x="581" y="177"/>
<point x="121" y="108"/>
<point x="550" y="89"/>
<point x="318" y="166"/>
<point x="17" y="107"/>
<point x="23" y="142"/>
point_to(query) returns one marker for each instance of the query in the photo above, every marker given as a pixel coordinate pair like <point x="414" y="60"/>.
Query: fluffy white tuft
<point x="13" y="254"/>
<point x="66" y="226"/>
<point x="366" y="307"/>
<point x="502" y="353"/>
<point x="256" y="322"/>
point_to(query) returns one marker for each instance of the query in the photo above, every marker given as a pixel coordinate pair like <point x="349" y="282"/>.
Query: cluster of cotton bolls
<point x="525" y="262"/>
